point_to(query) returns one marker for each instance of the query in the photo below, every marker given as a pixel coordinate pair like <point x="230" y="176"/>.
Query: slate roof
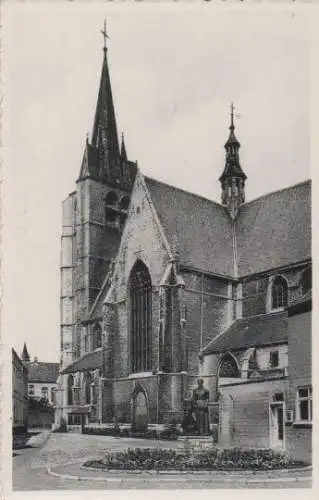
<point x="43" y="372"/>
<point x="90" y="361"/>
<point x="271" y="231"/>
<point x="201" y="227"/>
<point x="255" y="331"/>
<point x="274" y="230"/>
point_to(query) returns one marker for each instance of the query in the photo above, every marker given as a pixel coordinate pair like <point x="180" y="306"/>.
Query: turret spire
<point x="123" y="149"/>
<point x="232" y="178"/>
<point x="25" y="356"/>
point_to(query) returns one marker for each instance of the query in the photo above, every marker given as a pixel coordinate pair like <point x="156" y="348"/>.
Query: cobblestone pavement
<point x="64" y="453"/>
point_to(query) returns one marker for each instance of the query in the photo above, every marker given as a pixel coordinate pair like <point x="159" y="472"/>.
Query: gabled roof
<point x="201" y="227"/>
<point x="89" y="361"/>
<point x="255" y="331"/>
<point x="43" y="372"/>
<point x="275" y="230"/>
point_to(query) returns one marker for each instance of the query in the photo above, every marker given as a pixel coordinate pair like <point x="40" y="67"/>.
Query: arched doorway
<point x="140" y="409"/>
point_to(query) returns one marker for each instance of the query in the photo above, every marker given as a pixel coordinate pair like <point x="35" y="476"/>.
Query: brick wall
<point x="299" y="438"/>
<point x="244" y="413"/>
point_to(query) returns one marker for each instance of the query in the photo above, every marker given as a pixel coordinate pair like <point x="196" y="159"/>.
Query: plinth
<point x="197" y="443"/>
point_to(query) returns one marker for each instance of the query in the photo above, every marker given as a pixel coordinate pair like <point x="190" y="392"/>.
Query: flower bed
<point x="180" y="460"/>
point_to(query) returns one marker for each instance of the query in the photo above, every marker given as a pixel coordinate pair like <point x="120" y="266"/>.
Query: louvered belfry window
<point x="140" y="287"/>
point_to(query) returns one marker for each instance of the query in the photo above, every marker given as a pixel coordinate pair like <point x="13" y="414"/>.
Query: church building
<point x="160" y="286"/>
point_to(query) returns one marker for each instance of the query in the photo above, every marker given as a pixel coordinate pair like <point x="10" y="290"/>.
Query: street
<point x="63" y="454"/>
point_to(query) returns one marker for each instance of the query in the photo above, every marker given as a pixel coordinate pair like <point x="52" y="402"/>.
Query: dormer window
<point x="279" y="293"/>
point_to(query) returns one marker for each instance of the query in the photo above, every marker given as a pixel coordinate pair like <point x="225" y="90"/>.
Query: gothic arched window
<point x="87" y="382"/>
<point x="228" y="367"/>
<point x="70" y="390"/>
<point x="140" y="291"/>
<point x="97" y="336"/>
<point x="279" y="293"/>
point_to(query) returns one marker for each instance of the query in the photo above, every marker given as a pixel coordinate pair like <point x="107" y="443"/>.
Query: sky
<point x="174" y="74"/>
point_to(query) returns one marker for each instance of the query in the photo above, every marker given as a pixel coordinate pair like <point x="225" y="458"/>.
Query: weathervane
<point x="232" y="114"/>
<point x="105" y="35"/>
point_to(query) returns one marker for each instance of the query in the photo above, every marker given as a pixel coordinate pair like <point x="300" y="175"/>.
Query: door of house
<point x="277" y="426"/>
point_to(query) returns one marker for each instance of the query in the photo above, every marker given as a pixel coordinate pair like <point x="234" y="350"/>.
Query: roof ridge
<point x="147" y="177"/>
<point x="277" y="191"/>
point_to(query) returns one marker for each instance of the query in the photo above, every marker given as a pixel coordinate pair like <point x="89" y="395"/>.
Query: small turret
<point x="233" y="178"/>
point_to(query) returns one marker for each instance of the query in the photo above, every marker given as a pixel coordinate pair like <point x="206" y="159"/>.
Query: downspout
<point x="201" y="311"/>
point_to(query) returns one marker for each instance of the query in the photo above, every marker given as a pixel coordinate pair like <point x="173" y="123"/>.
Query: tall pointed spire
<point x="104" y="136"/>
<point x="25" y="356"/>
<point x="123" y="149"/>
<point x="232" y="178"/>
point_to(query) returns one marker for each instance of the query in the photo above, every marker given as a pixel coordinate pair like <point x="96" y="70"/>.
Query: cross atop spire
<point x="105" y="36"/>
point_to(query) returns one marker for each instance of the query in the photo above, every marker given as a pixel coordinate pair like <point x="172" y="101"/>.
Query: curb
<point x="199" y="472"/>
<point x="119" y="480"/>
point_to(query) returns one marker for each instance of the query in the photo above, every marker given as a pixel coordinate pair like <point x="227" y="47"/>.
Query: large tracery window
<point x="279" y="293"/>
<point x="140" y="289"/>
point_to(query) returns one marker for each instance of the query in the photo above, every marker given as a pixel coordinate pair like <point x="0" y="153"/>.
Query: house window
<point x="140" y="292"/>
<point x="274" y="359"/>
<point x="97" y="336"/>
<point x="53" y="394"/>
<point x="304" y="404"/>
<point x="279" y="293"/>
<point x="31" y="390"/>
<point x="44" y="392"/>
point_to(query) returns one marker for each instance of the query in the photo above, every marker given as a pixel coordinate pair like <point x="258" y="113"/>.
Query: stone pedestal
<point x="197" y="443"/>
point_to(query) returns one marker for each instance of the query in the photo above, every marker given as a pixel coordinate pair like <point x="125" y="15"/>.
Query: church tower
<point x="93" y="219"/>
<point x="233" y="178"/>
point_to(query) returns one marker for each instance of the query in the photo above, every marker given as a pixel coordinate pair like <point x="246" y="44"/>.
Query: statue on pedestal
<point x="200" y="407"/>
